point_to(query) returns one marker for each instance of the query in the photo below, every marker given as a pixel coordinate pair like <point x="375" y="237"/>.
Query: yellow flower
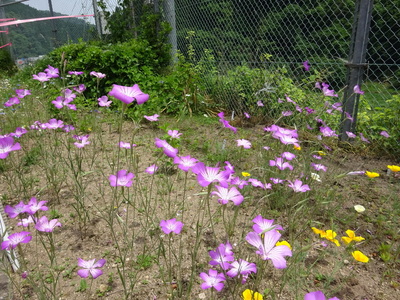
<point x="351" y="237"/>
<point x="251" y="295"/>
<point x="245" y="174"/>
<point x="394" y="168"/>
<point x="330" y="236"/>
<point x="321" y="153"/>
<point x="322" y="233"/>
<point x="371" y="174"/>
<point x="298" y="148"/>
<point x="359" y="256"/>
<point x="283" y="243"/>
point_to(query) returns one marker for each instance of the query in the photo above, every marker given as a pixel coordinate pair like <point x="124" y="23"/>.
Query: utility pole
<point x="53" y="25"/>
<point x="169" y="10"/>
<point x="97" y="18"/>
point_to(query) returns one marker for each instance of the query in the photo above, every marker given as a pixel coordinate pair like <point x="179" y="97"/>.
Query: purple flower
<point x="225" y="123"/>
<point x="128" y="94"/>
<point x="247" y="115"/>
<point x="42" y="77"/>
<point x="212" y="280"/>
<point x="7" y="145"/>
<point x="61" y="101"/>
<point x="385" y="134"/>
<point x="327" y="91"/>
<point x="82" y="140"/>
<point x="280" y="164"/>
<point x="318" y="167"/>
<point x="351" y="135"/>
<point x="288" y="155"/>
<point x="33" y="206"/>
<point x="267" y="248"/>
<point x="306" y="65"/>
<point x="152" y="169"/>
<point x="90" y="267"/>
<point x="68" y="128"/>
<point x="298" y="186"/>
<point x="103" y="101"/>
<point x="171" y="225"/>
<point x="357" y="90"/>
<point x="14" y="239"/>
<point x="76" y="73"/>
<point x="185" y="162"/>
<point x="326" y="131"/>
<point x="259" y="103"/>
<point x="14" y="211"/>
<point x="126" y="145"/>
<point x="97" y="74"/>
<point x="287" y="113"/>
<point x="26" y="221"/>
<point x="51" y="72"/>
<point x="123" y="178"/>
<point x="256" y="183"/>
<point x="207" y="175"/>
<point x="44" y="225"/>
<point x="21" y="93"/>
<point x="152" y="118"/>
<point x="262" y="225"/>
<point x="53" y="124"/>
<point x="244" y="143"/>
<point x="175" y="134"/>
<point x="12" y="101"/>
<point x="222" y="256"/>
<point x="240" y="183"/>
<point x="276" y="180"/>
<point x="242" y="267"/>
<point x="318" y="295"/>
<point x="80" y="89"/>
<point x="19" y="131"/>
<point x="167" y="148"/>
<point x="364" y="139"/>
<point x="225" y="195"/>
<point x="309" y="110"/>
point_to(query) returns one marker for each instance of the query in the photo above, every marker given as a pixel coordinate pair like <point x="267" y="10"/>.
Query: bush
<point x="7" y="65"/>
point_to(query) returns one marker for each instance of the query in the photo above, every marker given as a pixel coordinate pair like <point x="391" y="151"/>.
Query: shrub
<point x="7" y="65"/>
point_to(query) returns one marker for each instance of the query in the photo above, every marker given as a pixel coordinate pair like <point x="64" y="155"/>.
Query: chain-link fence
<point x="258" y="49"/>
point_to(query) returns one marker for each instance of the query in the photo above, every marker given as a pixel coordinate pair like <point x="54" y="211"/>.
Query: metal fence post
<point x="169" y="11"/>
<point x="356" y="65"/>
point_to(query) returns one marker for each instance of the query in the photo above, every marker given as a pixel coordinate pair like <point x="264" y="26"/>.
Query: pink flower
<point x="97" y="74"/>
<point x="357" y="90"/>
<point x="53" y="124"/>
<point x="259" y="103"/>
<point x="247" y="115"/>
<point x="80" y="89"/>
<point x="280" y="164"/>
<point x="13" y="240"/>
<point x="242" y="267"/>
<point x="298" y="186"/>
<point x="44" y="225"/>
<point x="82" y="140"/>
<point x="21" y="93"/>
<point x="225" y="123"/>
<point x="123" y="178"/>
<point x="76" y="73"/>
<point x="12" y="101"/>
<point x="7" y="145"/>
<point x="185" y="163"/>
<point x="244" y="143"/>
<point x="212" y="280"/>
<point x="306" y="65"/>
<point x="287" y="113"/>
<point x="351" y="135"/>
<point x="151" y="170"/>
<point x="318" y="295"/>
<point x="128" y="94"/>
<point x="364" y="139"/>
<point x="167" y="148"/>
<point x="318" y="167"/>
<point x="33" y="206"/>
<point x="222" y="256"/>
<point x="126" y="145"/>
<point x="288" y="155"/>
<point x="267" y="249"/>
<point x="51" y="72"/>
<point x="175" y="134"/>
<point x="90" y="267"/>
<point x="171" y="225"/>
<point x="207" y="175"/>
<point x="152" y="118"/>
<point x="225" y="195"/>
<point x="14" y="211"/>
<point x="385" y="134"/>
<point x="262" y="225"/>
<point x="19" y="131"/>
<point x="41" y="77"/>
<point x="103" y="101"/>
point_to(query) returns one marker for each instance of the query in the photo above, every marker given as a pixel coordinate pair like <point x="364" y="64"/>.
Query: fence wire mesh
<point x="258" y="46"/>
